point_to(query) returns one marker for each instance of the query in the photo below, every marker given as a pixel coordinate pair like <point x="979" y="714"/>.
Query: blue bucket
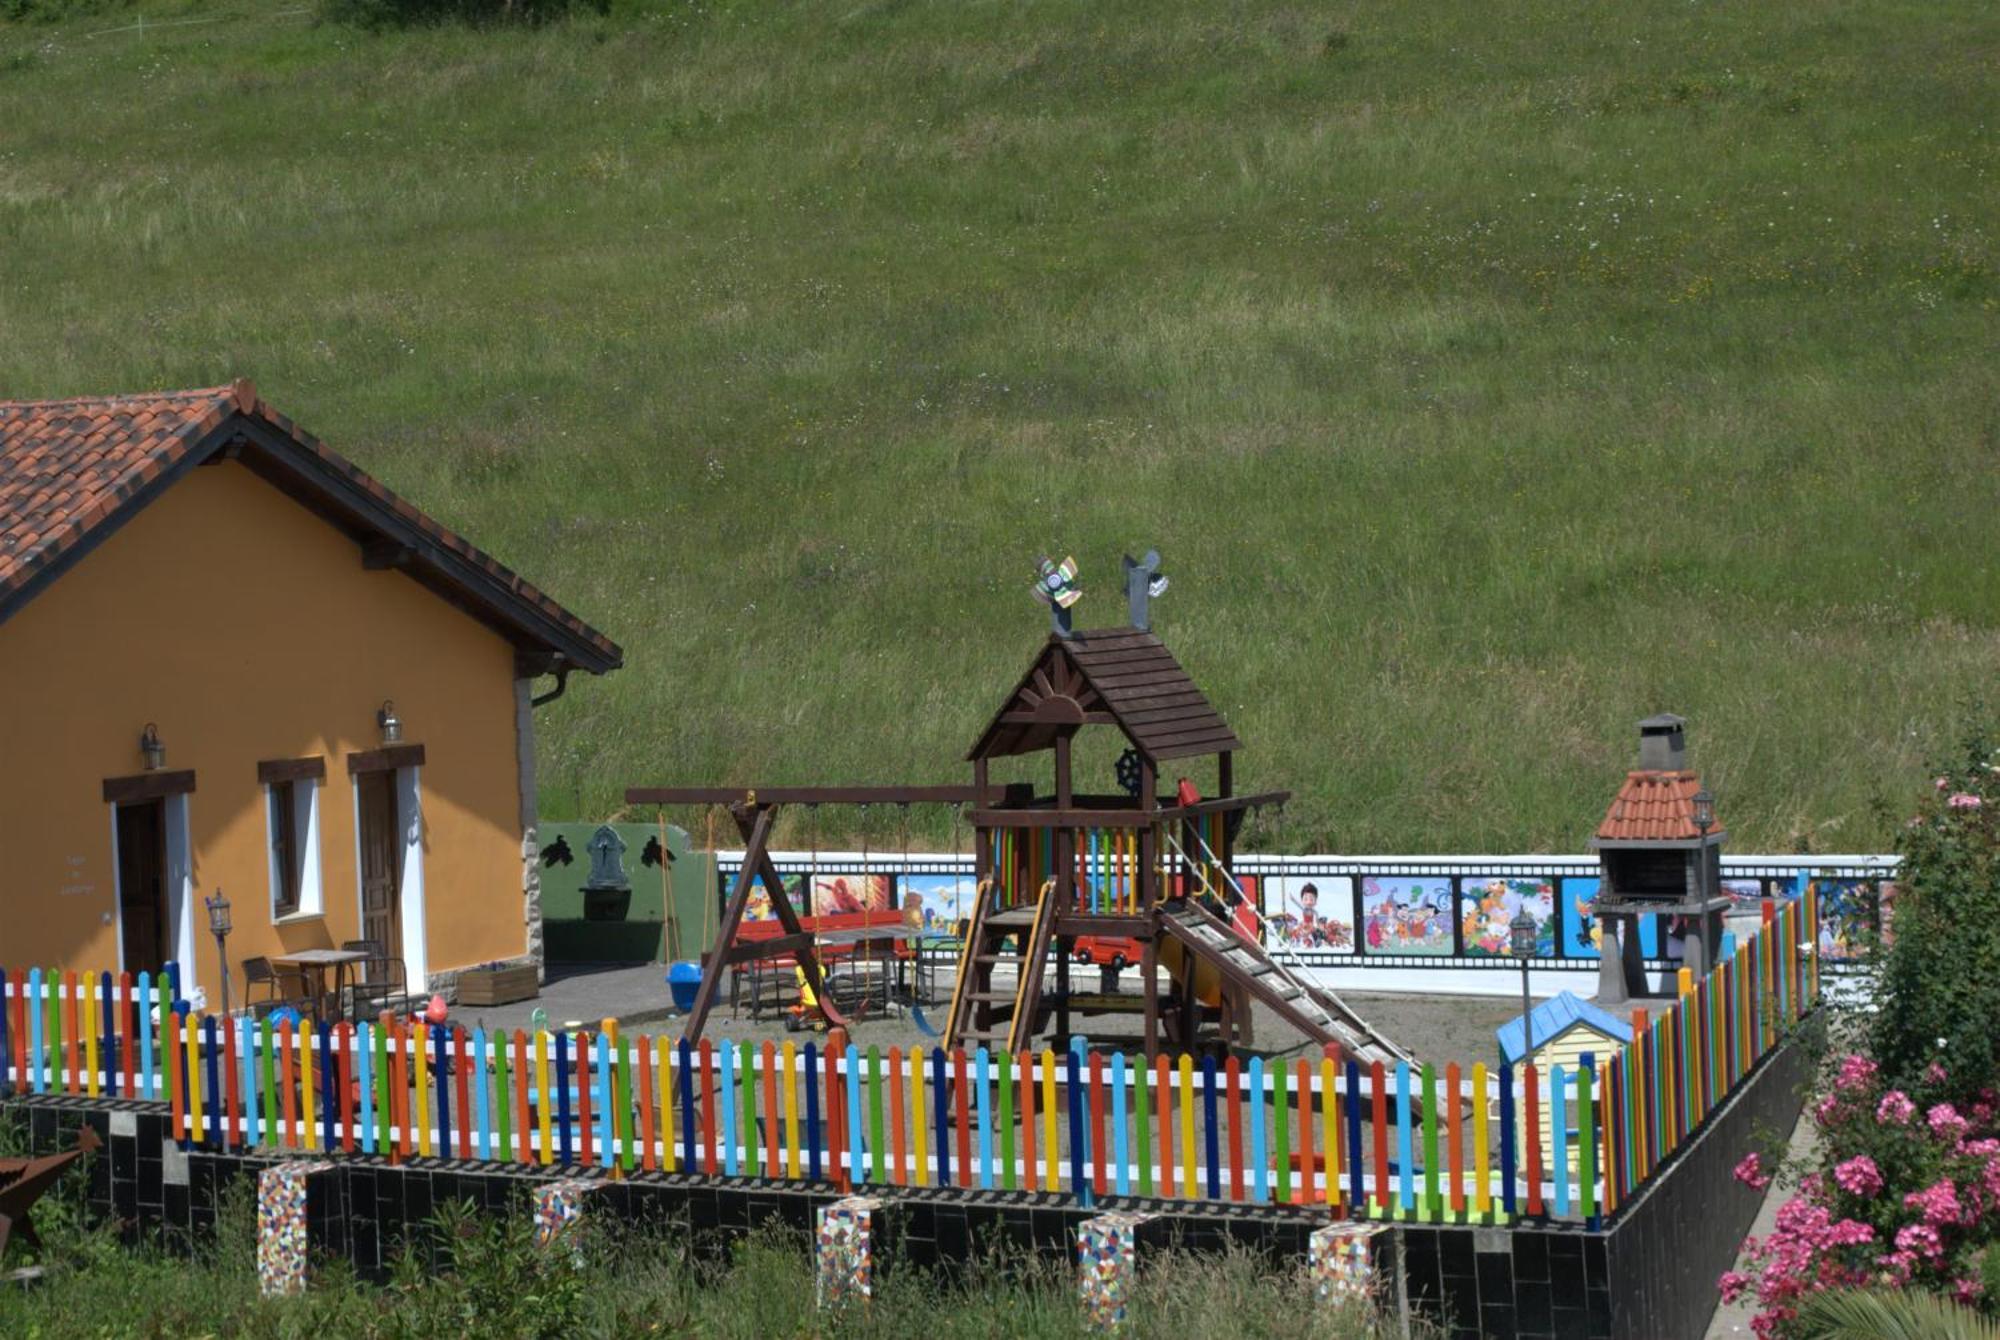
<point x="683" y="980"/>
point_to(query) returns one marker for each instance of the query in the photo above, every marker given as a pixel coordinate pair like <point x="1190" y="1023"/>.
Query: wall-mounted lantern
<point x="151" y="749"/>
<point x="389" y="723"/>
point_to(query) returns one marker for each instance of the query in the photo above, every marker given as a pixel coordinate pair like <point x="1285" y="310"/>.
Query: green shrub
<point x="1940" y="962"/>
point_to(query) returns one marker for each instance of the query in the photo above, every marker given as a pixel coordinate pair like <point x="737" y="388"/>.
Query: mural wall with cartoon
<point x="1488" y="905"/>
<point x="1407" y="914"/>
<point x="1310" y="911"/>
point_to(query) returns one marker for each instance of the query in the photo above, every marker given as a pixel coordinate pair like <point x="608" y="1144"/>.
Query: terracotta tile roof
<point x="73" y="471"/>
<point x="1124" y="672"/>
<point x="1653" y="807"/>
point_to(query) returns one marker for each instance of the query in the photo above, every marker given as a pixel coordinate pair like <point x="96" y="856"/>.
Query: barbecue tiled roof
<point x="73" y="471"/>
<point x="1654" y="807"/>
<point x="1124" y="674"/>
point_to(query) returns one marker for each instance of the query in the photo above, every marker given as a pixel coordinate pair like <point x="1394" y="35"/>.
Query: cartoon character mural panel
<point x="1310" y="912"/>
<point x="1488" y="905"/>
<point x="1580" y="931"/>
<point x="834" y="894"/>
<point x="1406" y="914"/>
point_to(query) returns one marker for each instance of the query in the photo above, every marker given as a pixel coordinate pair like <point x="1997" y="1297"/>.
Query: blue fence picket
<point x="107" y="1034"/>
<point x="1559" y="1136"/>
<point x="688" y="1156"/>
<point x="1214" y="1127"/>
<point x="1118" y="1137"/>
<point x="982" y="1063"/>
<point x="1357" y="1177"/>
<point x="1253" y="1111"/>
<point x="560" y="1082"/>
<point x="941" y="1106"/>
<point x="726" y="1101"/>
<point x="37" y="1042"/>
<point x="1406" y="1161"/>
<point x="210" y="1059"/>
<point x="1508" y="1165"/>
<point x="364" y="1073"/>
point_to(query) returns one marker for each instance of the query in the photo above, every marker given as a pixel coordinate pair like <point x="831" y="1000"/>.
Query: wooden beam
<point x="148" y="786"/>
<point x="274" y="770"/>
<point x="758" y="854"/>
<point x="777" y="945"/>
<point x="386" y="759"/>
<point x="807" y="795"/>
<point x="725" y="933"/>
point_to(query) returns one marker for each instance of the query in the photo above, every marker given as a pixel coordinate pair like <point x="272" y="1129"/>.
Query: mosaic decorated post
<point x="281" y="1227"/>
<point x="1341" y="1260"/>
<point x="558" y="1209"/>
<point x="1107" y="1260"/>
<point x="844" y="1251"/>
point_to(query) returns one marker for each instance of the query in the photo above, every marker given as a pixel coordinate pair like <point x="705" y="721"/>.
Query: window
<point x="291" y="821"/>
<point x="286" y="873"/>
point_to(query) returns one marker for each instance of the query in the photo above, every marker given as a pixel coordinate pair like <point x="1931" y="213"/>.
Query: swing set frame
<point x="755" y="811"/>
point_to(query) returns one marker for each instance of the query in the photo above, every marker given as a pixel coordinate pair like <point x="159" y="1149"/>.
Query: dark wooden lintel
<point x="273" y="770"/>
<point x="387" y="759"/>
<point x="148" y="786"/>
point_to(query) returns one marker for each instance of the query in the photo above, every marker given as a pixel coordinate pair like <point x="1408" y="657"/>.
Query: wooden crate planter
<point x="498" y="986"/>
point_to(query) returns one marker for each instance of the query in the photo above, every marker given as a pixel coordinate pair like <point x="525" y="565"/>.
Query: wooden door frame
<point x="404" y="768"/>
<point x="176" y="838"/>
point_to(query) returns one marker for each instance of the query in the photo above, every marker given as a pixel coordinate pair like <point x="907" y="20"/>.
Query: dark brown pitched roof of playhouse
<point x="1654" y="807"/>
<point x="1125" y="673"/>
<point x="73" y="471"/>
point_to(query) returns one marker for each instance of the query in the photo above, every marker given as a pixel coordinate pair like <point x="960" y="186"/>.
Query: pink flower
<point x="1734" y="1284"/>
<point x="1897" y="1267"/>
<point x="1964" y="800"/>
<point x="1850" y="1233"/>
<point x="1895" y="1109"/>
<point x="1967" y="1291"/>
<point x="1750" y="1172"/>
<point x="1946" y="1124"/>
<point x="1938" y="1204"/>
<point x="1934" y="1073"/>
<point x="1855" y="1073"/>
<point x="1921" y="1239"/>
<point x="1859" y="1176"/>
<point x="1944" y="783"/>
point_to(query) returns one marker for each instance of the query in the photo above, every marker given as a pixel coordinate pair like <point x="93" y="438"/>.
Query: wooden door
<point x="142" y="885"/>
<point x="381" y="866"/>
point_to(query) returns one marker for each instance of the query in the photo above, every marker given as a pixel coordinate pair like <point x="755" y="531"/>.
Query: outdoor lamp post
<point x="1704" y="819"/>
<point x="218" y="926"/>
<point x="1521" y="936"/>
<point x="389" y="723"/>
<point x="151" y="749"/>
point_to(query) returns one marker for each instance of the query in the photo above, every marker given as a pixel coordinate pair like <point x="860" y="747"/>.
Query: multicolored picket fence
<point x="1368" y="1142"/>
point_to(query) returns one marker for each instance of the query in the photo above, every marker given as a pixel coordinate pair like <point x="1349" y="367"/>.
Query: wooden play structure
<point x="1064" y="869"/>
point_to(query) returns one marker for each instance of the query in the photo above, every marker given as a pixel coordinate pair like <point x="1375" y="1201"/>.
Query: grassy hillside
<point x="1490" y="375"/>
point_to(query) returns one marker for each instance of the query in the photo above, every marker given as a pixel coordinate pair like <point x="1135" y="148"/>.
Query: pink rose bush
<point x="1851" y="1223"/>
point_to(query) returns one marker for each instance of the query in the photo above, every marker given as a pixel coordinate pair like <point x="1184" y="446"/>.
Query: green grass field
<point x="1490" y="375"/>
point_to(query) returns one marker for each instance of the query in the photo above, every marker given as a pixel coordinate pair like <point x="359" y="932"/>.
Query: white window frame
<point x="305" y="832"/>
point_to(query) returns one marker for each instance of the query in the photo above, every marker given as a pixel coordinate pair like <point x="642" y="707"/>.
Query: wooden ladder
<point x="1034" y="956"/>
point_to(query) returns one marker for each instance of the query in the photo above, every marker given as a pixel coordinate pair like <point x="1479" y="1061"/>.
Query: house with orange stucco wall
<point x="233" y="661"/>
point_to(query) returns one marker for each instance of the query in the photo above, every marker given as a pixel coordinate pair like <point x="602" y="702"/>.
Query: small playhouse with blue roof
<point x="1565" y="1029"/>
